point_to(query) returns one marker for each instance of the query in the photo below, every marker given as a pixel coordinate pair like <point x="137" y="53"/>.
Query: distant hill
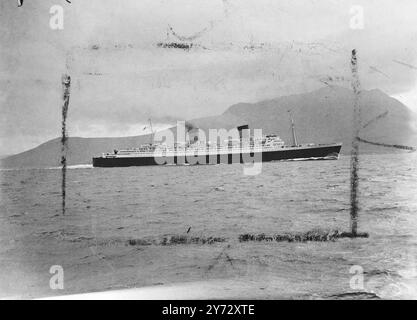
<point x="326" y="115"/>
<point x="321" y="116"/>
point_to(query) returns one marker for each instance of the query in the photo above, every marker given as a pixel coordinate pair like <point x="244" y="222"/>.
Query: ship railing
<point x="220" y="150"/>
<point x="199" y="150"/>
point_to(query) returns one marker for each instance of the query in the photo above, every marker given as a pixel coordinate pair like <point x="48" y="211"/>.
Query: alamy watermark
<point x="56" y="21"/>
<point x="191" y="146"/>
<point x="386" y="283"/>
<point x="56" y="282"/>
<point x="357" y="20"/>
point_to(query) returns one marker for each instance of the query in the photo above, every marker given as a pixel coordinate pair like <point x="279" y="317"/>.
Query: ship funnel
<point x="241" y="128"/>
<point x="294" y="136"/>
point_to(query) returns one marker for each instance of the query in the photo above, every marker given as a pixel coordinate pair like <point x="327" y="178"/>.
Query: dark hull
<point x="316" y="152"/>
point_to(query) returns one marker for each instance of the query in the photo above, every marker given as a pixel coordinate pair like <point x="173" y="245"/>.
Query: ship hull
<point x="295" y="153"/>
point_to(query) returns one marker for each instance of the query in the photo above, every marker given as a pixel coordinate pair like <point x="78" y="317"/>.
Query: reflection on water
<point x="108" y="208"/>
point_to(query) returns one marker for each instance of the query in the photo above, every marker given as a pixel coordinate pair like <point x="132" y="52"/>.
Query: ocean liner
<point x="240" y="150"/>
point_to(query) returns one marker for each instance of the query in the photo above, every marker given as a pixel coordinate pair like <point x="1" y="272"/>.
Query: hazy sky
<point x="120" y="77"/>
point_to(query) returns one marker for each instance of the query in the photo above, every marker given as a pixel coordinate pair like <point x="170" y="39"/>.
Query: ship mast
<point x="150" y="124"/>
<point x="294" y="136"/>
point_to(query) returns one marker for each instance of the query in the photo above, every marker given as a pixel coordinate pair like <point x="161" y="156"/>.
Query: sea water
<point x="112" y="233"/>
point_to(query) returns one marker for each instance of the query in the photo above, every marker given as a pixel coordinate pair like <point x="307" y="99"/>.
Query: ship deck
<point x="211" y="151"/>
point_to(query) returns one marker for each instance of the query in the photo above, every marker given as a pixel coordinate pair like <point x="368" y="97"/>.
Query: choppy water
<point x="105" y="208"/>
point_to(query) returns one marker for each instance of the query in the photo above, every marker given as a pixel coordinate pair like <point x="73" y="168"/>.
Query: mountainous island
<point x="321" y="116"/>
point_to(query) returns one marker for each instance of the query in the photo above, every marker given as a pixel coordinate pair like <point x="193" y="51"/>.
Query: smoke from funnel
<point x="189" y="126"/>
